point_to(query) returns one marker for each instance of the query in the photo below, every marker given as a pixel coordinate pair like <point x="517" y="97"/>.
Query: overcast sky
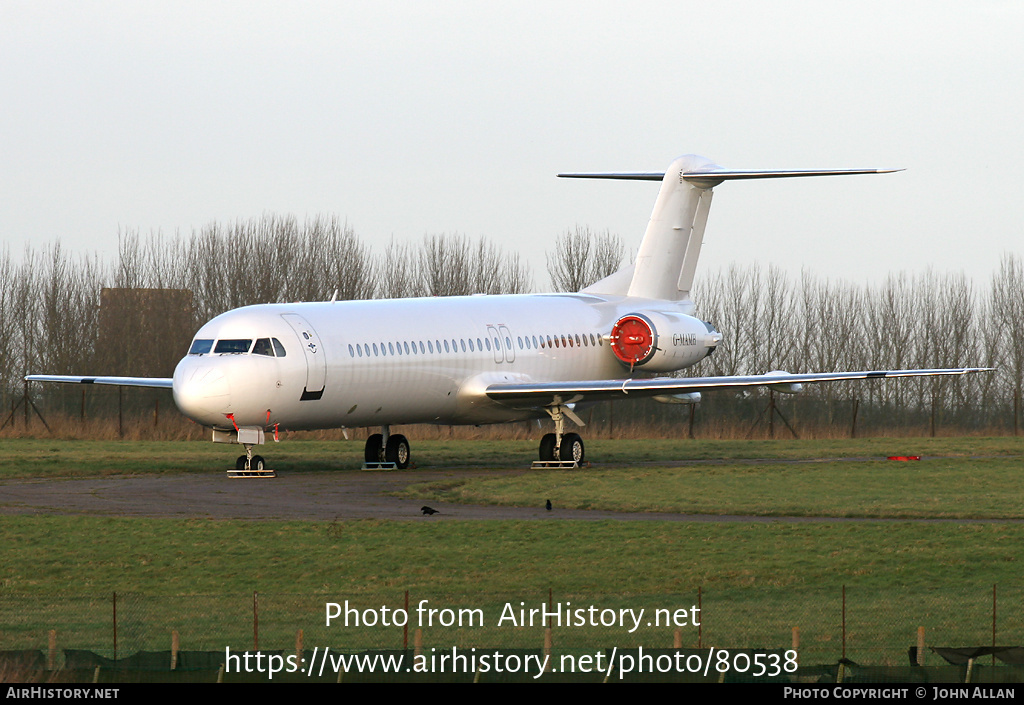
<point x="406" y="118"/>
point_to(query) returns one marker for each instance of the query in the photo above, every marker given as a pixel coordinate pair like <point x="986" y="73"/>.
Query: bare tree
<point x="444" y="265"/>
<point x="608" y="253"/>
<point x="399" y="272"/>
<point x="582" y="257"/>
<point x="8" y="346"/>
<point x="450" y="265"/>
<point x="777" y="319"/>
<point x="1007" y="301"/>
<point x="726" y="300"/>
<point x="891" y="327"/>
<point x="494" y="272"/>
<point x="68" y="309"/>
<point x="350" y="264"/>
<point x="25" y="301"/>
<point x="955" y="338"/>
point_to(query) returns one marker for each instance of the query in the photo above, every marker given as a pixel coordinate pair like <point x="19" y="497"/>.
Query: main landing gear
<point x="560" y="449"/>
<point x="386" y="452"/>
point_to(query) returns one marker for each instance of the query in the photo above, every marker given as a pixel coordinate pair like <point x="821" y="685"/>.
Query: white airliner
<point x="475" y="359"/>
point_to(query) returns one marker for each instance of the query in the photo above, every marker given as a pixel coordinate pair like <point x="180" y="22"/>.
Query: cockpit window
<point x="278" y="347"/>
<point x="200" y="347"/>
<point x="263" y="347"/>
<point x="232" y="346"/>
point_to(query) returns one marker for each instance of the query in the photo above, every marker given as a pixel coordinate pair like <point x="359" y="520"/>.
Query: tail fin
<point x="667" y="259"/>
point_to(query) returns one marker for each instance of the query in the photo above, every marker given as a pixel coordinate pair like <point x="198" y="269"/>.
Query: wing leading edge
<point x="160" y="382"/>
<point x="545" y="393"/>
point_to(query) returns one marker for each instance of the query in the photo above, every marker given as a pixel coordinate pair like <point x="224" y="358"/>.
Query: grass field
<point x="44" y="457"/>
<point x="757" y="580"/>
<point x="935" y="488"/>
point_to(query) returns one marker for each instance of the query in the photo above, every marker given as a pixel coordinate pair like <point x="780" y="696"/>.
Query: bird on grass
<point x="548" y="505"/>
<point x="427" y="511"/>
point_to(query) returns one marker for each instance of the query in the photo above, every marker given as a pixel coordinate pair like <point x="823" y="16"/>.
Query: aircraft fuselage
<point x="427" y="360"/>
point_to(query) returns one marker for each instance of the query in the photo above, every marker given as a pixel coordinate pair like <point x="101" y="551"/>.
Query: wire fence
<point x="858" y="625"/>
<point x="97" y="412"/>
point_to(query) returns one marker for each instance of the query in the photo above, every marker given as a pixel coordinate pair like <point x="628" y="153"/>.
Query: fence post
<point x="1016" y="410"/>
<point x="844" y="621"/>
<point x="175" y="646"/>
<point x="993" y="622"/>
<point x="114" y="604"/>
<point x="548" y="643"/>
<point x="920" y="646"/>
<point x="255" y="621"/>
<point x="703" y="618"/>
<point x="51" y="655"/>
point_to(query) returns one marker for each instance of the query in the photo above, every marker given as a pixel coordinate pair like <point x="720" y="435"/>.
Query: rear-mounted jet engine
<point x="662" y="341"/>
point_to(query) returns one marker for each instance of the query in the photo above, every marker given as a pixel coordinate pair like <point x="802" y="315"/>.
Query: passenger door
<point x="316" y="357"/>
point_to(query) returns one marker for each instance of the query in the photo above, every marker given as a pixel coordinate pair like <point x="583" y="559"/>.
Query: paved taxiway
<point x="322" y="496"/>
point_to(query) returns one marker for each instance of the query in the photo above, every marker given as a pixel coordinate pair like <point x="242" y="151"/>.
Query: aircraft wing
<point x="526" y="395"/>
<point x="161" y="382"/>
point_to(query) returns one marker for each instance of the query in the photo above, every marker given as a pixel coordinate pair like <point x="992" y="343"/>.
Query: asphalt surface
<point x="350" y="495"/>
<point x="320" y="496"/>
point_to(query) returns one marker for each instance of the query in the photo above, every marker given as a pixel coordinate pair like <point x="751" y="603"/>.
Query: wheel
<point x="397" y="451"/>
<point x="240" y="463"/>
<point x="374" y="445"/>
<point x="547" y="447"/>
<point x="257" y="463"/>
<point x="571" y="448"/>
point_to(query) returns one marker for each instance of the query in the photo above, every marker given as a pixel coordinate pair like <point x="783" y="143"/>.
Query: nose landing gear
<point x="250" y="465"/>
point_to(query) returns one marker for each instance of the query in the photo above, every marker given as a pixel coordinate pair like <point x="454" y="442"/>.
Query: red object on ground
<point x="904" y="457"/>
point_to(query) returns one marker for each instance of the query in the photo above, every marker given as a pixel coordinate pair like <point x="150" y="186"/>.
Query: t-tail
<point x="667" y="259"/>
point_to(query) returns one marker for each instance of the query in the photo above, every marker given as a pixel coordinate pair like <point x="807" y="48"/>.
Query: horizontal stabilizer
<point x="720" y="175"/>
<point x="666" y="262"/>
<point x="627" y="176"/>
<point x="160" y="382"/>
<point x="730" y="175"/>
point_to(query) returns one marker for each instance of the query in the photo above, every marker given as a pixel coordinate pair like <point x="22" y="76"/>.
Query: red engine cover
<point x="633" y="339"/>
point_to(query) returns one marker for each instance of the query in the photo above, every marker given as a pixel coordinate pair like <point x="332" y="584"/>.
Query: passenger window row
<point x="469" y="345"/>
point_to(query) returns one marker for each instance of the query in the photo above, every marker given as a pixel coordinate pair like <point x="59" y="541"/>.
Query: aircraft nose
<point x="201" y="391"/>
